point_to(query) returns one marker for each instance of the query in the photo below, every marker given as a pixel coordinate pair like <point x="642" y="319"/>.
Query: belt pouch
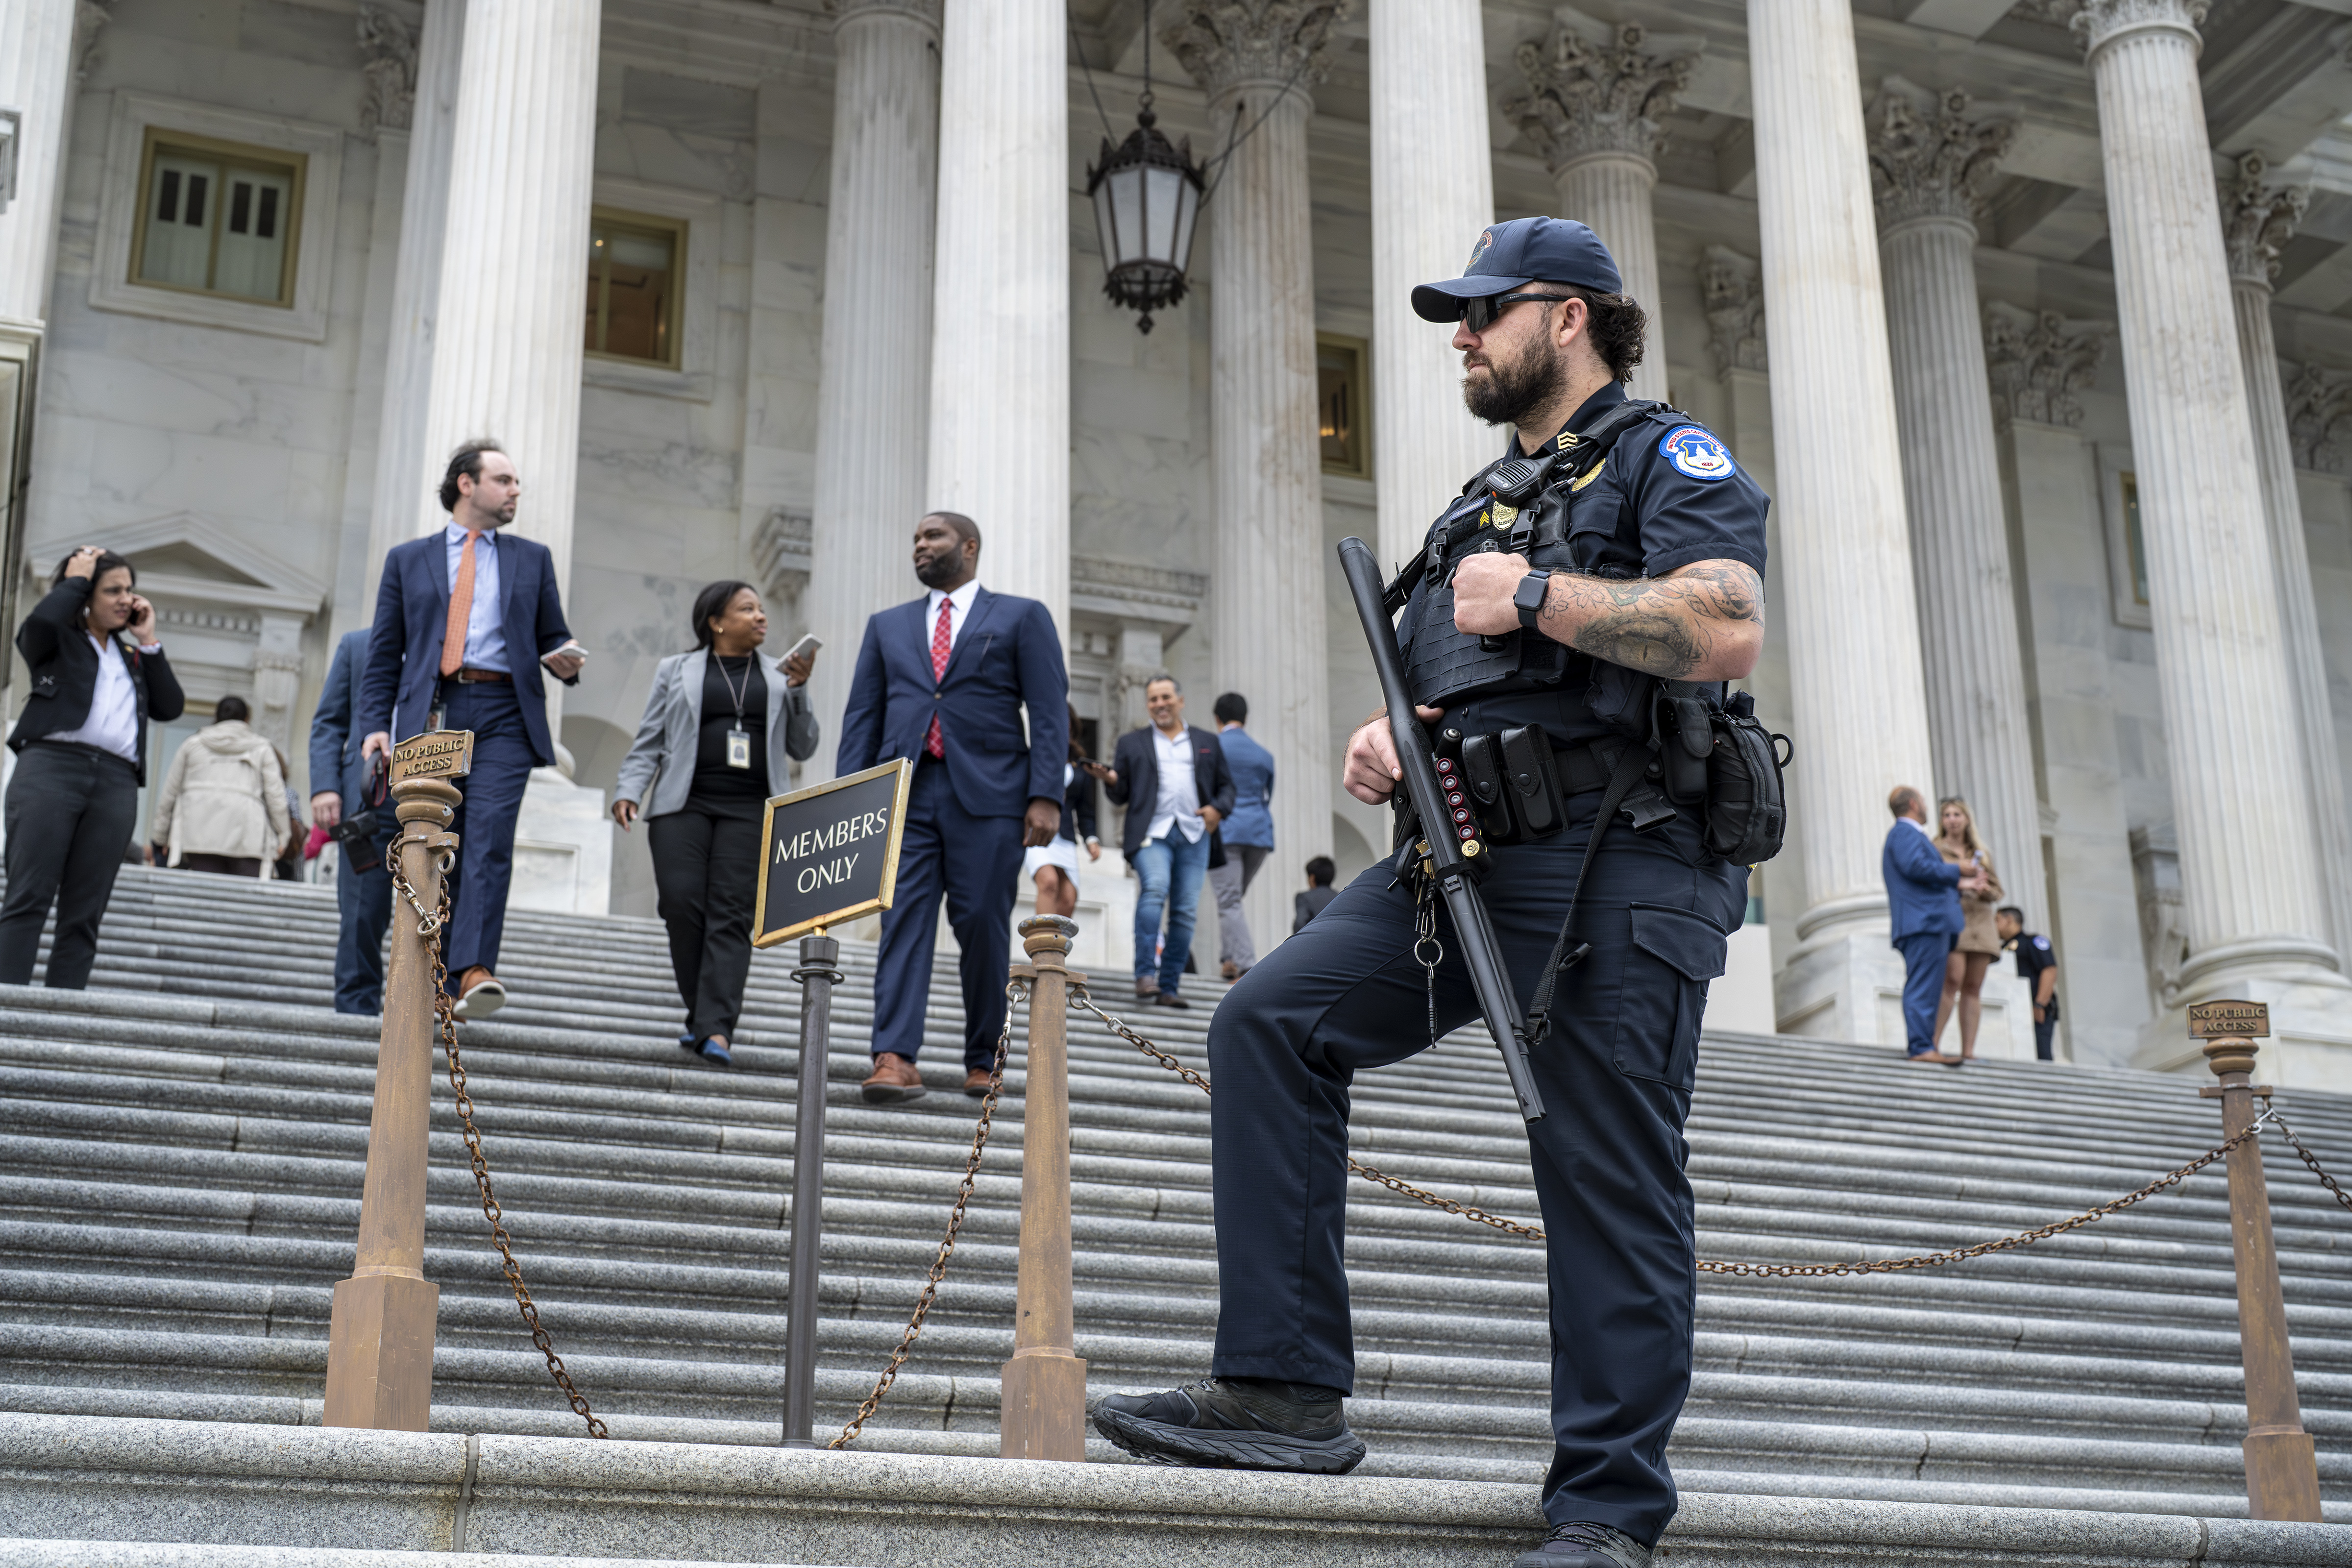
<point x="1533" y="781"/>
<point x="1482" y="767"/>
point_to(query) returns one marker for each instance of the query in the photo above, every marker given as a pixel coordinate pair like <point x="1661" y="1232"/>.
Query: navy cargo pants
<point x="1345" y="994"/>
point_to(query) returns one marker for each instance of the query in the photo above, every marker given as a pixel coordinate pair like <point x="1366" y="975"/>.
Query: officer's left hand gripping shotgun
<point x="1450" y="845"/>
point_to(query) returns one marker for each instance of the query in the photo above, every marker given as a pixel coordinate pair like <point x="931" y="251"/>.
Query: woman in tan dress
<point x="1980" y="944"/>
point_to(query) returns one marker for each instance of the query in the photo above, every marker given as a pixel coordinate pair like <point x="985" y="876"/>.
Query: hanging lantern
<point x="1147" y="197"/>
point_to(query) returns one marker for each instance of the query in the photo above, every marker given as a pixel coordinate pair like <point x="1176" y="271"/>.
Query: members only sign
<point x="830" y="852"/>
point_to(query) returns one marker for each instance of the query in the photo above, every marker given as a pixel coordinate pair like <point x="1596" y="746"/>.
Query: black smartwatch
<point x="1530" y="596"/>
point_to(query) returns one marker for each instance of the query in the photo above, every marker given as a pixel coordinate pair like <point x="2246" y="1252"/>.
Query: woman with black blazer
<point x="99" y="676"/>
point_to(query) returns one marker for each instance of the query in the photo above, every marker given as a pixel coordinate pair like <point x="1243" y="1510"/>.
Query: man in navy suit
<point x="1922" y="895"/>
<point x="465" y="620"/>
<point x="363" y="891"/>
<point x="943" y="680"/>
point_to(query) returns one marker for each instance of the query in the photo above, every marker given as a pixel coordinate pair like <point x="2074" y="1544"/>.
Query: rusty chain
<point x="1013" y="991"/>
<point x="2310" y="1160"/>
<point x="429" y="925"/>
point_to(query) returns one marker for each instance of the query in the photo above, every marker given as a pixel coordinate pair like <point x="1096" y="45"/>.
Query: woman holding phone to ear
<point x="720" y="723"/>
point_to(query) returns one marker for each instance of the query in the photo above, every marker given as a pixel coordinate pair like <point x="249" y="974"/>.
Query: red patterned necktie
<point x="932" y="741"/>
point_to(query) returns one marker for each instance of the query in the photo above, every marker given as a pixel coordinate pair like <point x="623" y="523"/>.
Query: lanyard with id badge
<point x="739" y="740"/>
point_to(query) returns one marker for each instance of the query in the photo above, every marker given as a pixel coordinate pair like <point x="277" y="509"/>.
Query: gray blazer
<point x="673" y="728"/>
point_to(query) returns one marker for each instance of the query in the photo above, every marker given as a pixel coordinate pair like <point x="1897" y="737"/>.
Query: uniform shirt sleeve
<point x="1685" y="518"/>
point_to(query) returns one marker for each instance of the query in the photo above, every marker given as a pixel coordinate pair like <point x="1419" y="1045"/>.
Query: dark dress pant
<point x="363" y="910"/>
<point x="706" y="876"/>
<point x="246" y="866"/>
<point x="485" y="824"/>
<point x="1923" y="952"/>
<point x="70" y="813"/>
<point x="1345" y="994"/>
<point x="974" y="862"/>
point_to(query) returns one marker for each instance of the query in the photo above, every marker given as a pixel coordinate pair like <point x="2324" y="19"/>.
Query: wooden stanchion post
<point x="1045" y="1383"/>
<point x="2282" y="1471"/>
<point x="380" y="1330"/>
<point x="818" y="974"/>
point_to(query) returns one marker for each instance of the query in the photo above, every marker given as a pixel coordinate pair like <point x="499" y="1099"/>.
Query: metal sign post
<point x="380" y="1330"/>
<point x="2282" y="1470"/>
<point x="1045" y="1385"/>
<point x="827" y="854"/>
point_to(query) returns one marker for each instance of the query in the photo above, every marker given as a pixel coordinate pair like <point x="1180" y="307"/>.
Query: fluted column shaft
<point x="402" y="453"/>
<point x="1849" y="614"/>
<point x="2241" y="803"/>
<point x="1610" y="193"/>
<point x="1000" y="394"/>
<point x="1432" y="191"/>
<point x="1960" y="546"/>
<point x="875" y="399"/>
<point x="514" y="262"/>
<point x="36" y="79"/>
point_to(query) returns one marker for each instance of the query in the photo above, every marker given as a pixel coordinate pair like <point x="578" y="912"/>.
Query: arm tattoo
<point x="1666" y="626"/>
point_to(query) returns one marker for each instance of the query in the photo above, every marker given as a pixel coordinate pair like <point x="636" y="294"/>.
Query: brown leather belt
<point x="473" y="677"/>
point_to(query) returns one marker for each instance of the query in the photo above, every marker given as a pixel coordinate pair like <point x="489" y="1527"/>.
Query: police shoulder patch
<point x="2043" y="943"/>
<point x="1697" y="454"/>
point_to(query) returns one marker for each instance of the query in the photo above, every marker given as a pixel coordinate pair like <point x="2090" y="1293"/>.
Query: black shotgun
<point x="1449" y="853"/>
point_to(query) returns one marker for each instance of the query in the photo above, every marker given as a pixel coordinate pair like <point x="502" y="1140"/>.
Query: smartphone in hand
<point x="806" y="648"/>
<point x="572" y="648"/>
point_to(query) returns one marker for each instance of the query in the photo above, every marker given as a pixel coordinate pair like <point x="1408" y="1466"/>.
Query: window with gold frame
<point x="2135" y="541"/>
<point x="1343" y="412"/>
<point x="636" y="274"/>
<point x="217" y="218"/>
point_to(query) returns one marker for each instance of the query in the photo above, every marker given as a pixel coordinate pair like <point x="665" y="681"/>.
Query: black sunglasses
<point x="1479" y="314"/>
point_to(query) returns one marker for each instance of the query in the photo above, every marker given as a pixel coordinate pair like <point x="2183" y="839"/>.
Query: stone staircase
<point x="181" y="1152"/>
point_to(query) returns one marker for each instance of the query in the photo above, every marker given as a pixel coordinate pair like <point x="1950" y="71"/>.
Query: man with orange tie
<point x="475" y="617"/>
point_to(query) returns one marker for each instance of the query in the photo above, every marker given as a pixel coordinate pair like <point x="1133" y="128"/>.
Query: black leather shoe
<point x="1233" y="1424"/>
<point x="1585" y="1545"/>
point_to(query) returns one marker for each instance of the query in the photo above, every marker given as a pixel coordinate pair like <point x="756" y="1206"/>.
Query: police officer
<point x="2038" y="967"/>
<point x="1645" y="568"/>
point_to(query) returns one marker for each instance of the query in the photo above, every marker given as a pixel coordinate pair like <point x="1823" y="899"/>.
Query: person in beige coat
<point x="1979" y="942"/>
<point x="223" y="804"/>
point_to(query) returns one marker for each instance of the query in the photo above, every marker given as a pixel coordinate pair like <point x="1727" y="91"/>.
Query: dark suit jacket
<point x="1306" y="904"/>
<point x="64" y="668"/>
<point x="1007" y="657"/>
<point x="1136" y="763"/>
<point x="412" y="617"/>
<point x="335" y="737"/>
<point x="1921" y="885"/>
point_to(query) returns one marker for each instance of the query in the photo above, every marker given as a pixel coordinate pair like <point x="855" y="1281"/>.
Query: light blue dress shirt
<point x="486" y="634"/>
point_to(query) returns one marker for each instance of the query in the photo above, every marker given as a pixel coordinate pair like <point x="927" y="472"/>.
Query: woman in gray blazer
<point x="719" y="724"/>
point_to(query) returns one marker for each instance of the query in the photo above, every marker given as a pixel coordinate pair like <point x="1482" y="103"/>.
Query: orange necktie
<point x="461" y="610"/>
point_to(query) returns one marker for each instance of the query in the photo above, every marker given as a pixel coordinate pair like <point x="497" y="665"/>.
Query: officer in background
<point x="1649" y="567"/>
<point x="2038" y="967"/>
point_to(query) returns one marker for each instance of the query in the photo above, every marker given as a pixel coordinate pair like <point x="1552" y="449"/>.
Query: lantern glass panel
<point x="1188" y="209"/>
<point x="1126" y="188"/>
<point x="1160" y="211"/>
<point x="1106" y="229"/>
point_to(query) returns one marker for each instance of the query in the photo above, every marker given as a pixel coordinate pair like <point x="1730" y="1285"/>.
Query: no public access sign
<point x="830" y="852"/>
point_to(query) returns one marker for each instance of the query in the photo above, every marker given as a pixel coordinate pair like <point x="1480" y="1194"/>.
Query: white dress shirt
<point x="486" y="632"/>
<point x="112" y="722"/>
<point x="962" y="599"/>
<point x="1178" y="807"/>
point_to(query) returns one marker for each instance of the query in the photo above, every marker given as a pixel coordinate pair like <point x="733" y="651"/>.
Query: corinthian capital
<point x="2257" y="219"/>
<point x="1733" y="286"/>
<point x="1224" y="43"/>
<point x="390" y="45"/>
<point x="2039" y="363"/>
<point x="1588" y="93"/>
<point x="1931" y="153"/>
<point x="2097" y="23"/>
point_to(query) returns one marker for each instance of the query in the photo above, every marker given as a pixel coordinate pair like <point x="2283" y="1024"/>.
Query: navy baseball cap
<point x="1512" y="255"/>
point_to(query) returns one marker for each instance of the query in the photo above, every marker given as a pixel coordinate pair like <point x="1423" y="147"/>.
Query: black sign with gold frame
<point x="830" y="852"/>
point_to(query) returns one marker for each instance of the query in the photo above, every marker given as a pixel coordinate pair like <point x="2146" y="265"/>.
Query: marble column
<point x="1849" y="617"/>
<point x="1929" y="157"/>
<point x="401" y="451"/>
<point x="38" y="82"/>
<point x="1257" y="59"/>
<point x="874" y="398"/>
<point x="514" y="259"/>
<point x="2257" y="219"/>
<point x="1433" y="192"/>
<point x="1590" y="106"/>
<point x="2241" y="803"/>
<point x="1000" y="385"/>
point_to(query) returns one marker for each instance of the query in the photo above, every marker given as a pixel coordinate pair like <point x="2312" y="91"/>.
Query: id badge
<point x="739" y="749"/>
<point x="433" y="717"/>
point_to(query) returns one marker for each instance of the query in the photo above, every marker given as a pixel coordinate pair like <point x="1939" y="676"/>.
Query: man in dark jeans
<point x="362" y="875"/>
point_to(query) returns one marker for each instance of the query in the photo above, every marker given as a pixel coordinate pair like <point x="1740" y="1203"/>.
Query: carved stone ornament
<point x="390" y="45"/>
<point x="2258" y="220"/>
<point x="1932" y="153"/>
<point x="2056" y="12"/>
<point x="1286" y="43"/>
<point x="1733" y="286"/>
<point x="1585" y="96"/>
<point x="2096" y="21"/>
<point x="90" y="17"/>
<point x="2318" y="418"/>
<point x="2039" y="362"/>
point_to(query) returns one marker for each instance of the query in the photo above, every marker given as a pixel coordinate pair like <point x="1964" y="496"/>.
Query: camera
<point x="355" y="837"/>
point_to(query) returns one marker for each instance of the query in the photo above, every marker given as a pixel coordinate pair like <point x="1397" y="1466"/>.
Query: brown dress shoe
<point x="479" y="994"/>
<point x="894" y="1080"/>
<point x="975" y="1083"/>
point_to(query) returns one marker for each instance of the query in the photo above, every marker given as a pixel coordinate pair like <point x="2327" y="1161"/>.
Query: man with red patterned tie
<point x="465" y="620"/>
<point x="943" y="680"/>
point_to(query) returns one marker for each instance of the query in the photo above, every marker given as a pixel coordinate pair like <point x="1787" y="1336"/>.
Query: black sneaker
<point x="1233" y="1424"/>
<point x="1585" y="1545"/>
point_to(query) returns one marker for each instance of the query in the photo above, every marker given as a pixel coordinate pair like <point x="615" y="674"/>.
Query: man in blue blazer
<point x="943" y="680"/>
<point x="1922" y="898"/>
<point x="465" y="620"/>
<point x="339" y="793"/>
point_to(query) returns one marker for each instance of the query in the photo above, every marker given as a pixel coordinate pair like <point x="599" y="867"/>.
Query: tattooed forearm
<point x="1704" y="621"/>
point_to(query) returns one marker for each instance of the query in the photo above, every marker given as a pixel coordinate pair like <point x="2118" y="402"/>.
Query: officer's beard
<point x="1513" y="390"/>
